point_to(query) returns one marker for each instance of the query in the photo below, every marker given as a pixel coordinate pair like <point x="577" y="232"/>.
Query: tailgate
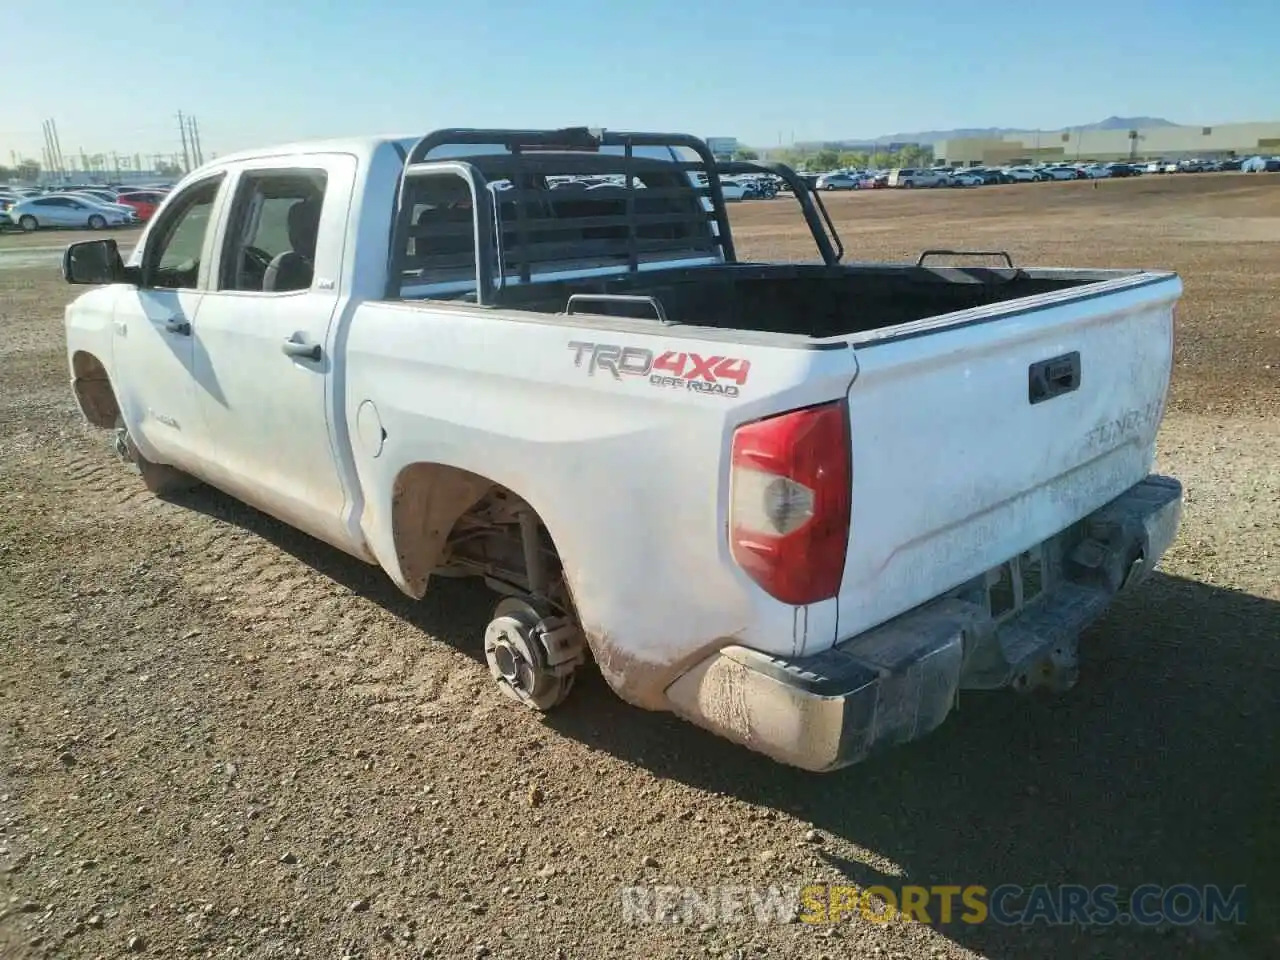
<point x="976" y="436"/>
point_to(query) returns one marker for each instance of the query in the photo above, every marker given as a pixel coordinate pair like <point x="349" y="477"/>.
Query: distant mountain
<point x="964" y="133"/>
<point x="1130" y="123"/>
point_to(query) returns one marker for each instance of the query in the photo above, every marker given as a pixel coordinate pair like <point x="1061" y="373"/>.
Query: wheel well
<point x="93" y="390"/>
<point x="446" y="520"/>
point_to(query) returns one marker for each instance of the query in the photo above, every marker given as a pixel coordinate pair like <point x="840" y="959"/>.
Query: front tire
<point x="159" y="478"/>
<point x="97" y="222"/>
<point x="28" y="223"/>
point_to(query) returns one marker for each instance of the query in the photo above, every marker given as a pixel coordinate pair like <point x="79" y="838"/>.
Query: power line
<point x="159" y="154"/>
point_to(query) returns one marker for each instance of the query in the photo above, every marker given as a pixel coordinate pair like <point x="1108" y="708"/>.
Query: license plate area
<point x="1015" y="584"/>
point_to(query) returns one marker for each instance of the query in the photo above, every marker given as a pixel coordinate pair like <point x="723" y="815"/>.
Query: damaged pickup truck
<point x="801" y="505"/>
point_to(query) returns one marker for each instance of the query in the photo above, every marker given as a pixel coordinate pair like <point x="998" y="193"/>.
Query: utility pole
<point x="57" y="145"/>
<point x="191" y="140"/>
<point x="56" y="162"/>
<point x="195" y="137"/>
<point x="182" y="129"/>
<point x="53" y="159"/>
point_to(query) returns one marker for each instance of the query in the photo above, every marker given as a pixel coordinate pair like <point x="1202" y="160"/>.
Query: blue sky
<point x="261" y="71"/>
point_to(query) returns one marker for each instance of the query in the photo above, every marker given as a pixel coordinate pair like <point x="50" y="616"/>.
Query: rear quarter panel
<point x="629" y="476"/>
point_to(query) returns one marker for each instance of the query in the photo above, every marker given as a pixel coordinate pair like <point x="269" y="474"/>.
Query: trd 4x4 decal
<point x="682" y="370"/>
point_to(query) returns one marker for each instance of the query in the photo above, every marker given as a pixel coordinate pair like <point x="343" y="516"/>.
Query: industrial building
<point x="1152" y="143"/>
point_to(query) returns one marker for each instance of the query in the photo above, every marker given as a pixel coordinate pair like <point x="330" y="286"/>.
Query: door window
<point x="275" y="226"/>
<point x="174" y="252"/>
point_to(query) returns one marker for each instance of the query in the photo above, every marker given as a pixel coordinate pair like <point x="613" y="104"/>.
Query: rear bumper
<point x="898" y="682"/>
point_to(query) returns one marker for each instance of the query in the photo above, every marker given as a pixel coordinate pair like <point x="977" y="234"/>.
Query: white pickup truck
<point x="800" y="504"/>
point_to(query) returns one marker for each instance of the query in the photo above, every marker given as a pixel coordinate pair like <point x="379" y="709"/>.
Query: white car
<point x="801" y="526"/>
<point x="1097" y="171"/>
<point x="962" y="179"/>
<point x="1060" y="173"/>
<point x="99" y="197"/>
<point x="733" y="190"/>
<point x="1026" y="174"/>
<point x="68" y="210"/>
<point x="102" y="195"/>
<point x="917" y="177"/>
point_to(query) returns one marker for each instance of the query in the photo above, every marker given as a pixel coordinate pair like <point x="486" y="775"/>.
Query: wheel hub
<point x="532" y="654"/>
<point x="505" y="659"/>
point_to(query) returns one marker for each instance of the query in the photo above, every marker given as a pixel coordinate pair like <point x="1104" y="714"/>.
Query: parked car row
<point x="747" y="187"/>
<point x="912" y="177"/>
<point x="743" y="187"/>
<point x="82" y="207"/>
<point x="99" y="206"/>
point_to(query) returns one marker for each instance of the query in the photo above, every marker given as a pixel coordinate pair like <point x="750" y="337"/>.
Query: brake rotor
<point x="515" y="647"/>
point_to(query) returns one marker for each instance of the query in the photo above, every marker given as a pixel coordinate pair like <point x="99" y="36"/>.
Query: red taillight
<point x="790" y="497"/>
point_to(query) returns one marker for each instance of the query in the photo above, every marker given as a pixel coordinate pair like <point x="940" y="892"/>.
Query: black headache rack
<point x="494" y="206"/>
<point x="824" y="231"/>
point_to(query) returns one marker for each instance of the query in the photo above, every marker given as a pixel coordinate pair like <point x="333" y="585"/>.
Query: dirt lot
<point x="218" y="737"/>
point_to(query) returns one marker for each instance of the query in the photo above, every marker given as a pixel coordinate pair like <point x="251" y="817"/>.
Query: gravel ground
<point x="220" y="737"/>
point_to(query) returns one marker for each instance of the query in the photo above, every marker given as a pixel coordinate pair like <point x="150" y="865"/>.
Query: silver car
<point x="63" y="210"/>
<point x="837" y="181"/>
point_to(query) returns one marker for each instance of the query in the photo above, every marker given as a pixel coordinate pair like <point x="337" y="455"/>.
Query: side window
<point x="274" y="230"/>
<point x="173" y="252"/>
<point x="441" y="235"/>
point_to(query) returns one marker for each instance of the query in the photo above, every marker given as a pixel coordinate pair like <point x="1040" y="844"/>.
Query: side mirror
<point x="95" y="262"/>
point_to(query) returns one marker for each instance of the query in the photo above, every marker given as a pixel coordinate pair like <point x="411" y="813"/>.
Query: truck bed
<point x="810" y="300"/>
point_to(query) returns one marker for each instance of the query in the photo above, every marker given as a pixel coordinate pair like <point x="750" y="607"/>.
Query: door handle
<point x="180" y="327"/>
<point x="303" y="351"/>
